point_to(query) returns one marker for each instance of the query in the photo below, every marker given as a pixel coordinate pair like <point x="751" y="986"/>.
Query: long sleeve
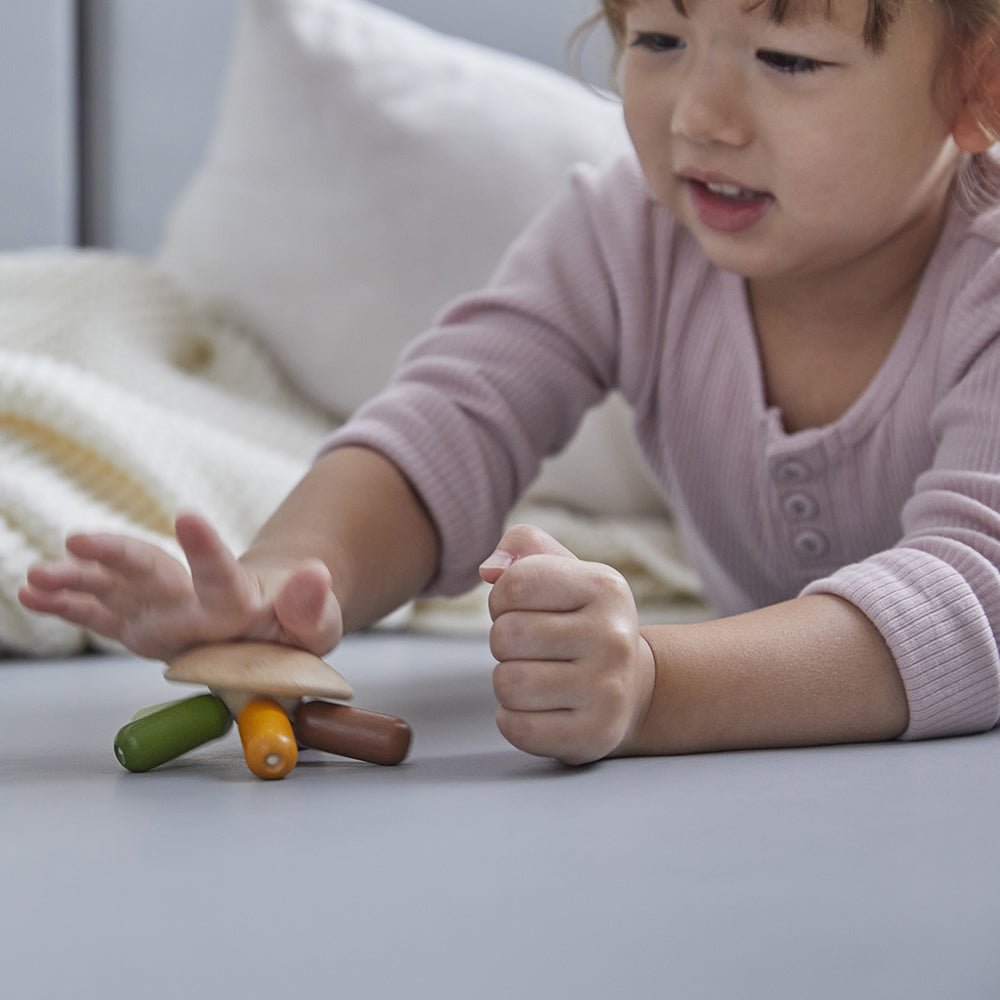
<point x="893" y="506"/>
<point x="501" y="381"/>
<point x="935" y="595"/>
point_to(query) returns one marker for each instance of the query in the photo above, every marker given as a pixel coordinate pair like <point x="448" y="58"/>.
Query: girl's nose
<point x="710" y="107"/>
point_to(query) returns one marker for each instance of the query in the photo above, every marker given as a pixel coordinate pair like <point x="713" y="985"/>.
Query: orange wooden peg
<point x="268" y="741"/>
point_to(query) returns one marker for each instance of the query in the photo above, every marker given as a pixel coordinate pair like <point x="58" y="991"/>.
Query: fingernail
<point x="498" y="560"/>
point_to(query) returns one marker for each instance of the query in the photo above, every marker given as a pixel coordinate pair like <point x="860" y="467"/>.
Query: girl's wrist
<point x="645" y="675"/>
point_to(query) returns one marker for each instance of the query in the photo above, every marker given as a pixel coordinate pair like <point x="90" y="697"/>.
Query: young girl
<point x="796" y="284"/>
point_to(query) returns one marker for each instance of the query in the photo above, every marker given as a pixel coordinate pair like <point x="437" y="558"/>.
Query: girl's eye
<point x="785" y="62"/>
<point x="656" y="41"/>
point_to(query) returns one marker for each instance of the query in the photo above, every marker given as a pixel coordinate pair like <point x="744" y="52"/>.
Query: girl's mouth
<point x="727" y="207"/>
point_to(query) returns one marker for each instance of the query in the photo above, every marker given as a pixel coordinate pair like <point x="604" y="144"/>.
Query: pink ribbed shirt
<point x="895" y="506"/>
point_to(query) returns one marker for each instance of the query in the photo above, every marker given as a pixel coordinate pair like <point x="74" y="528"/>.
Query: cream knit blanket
<point x="123" y="403"/>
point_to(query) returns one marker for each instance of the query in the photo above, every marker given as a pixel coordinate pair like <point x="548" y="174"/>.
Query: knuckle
<point x="515" y="588"/>
<point x="504" y="636"/>
<point x="519" y="729"/>
<point x="508" y="680"/>
<point x="619" y="640"/>
<point x="524" y="536"/>
<point x="612" y="583"/>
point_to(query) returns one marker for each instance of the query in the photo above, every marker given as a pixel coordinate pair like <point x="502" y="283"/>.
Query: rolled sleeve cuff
<point x="938" y="633"/>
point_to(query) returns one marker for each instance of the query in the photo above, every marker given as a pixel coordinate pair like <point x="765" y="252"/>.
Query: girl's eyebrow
<point x="794" y="11"/>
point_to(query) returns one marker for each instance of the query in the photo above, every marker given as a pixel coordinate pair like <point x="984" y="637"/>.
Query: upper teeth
<point x="726" y="190"/>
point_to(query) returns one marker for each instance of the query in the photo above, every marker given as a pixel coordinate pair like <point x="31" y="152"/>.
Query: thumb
<point x="517" y="542"/>
<point x="307" y="610"/>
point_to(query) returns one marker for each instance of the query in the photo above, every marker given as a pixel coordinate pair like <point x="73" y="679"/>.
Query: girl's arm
<point x="813" y="670"/>
<point x="357" y="513"/>
<point x="577" y="679"/>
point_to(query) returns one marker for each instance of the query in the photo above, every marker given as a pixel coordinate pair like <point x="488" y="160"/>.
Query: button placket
<point x="810" y="544"/>
<point x="792" y="470"/>
<point x="799" y="507"/>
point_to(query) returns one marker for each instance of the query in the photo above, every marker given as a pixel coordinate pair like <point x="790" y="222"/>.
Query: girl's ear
<point x="977" y="124"/>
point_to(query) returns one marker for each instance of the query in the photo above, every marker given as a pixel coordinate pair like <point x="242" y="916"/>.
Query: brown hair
<point x="969" y="18"/>
<point x="971" y="21"/>
<point x="974" y="27"/>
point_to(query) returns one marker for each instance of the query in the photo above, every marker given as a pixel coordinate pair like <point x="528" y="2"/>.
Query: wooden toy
<point x="160" y="734"/>
<point x="262" y="686"/>
<point x="268" y="740"/>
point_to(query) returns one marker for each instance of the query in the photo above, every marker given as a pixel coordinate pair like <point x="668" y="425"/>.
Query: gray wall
<point x="152" y="71"/>
<point x="138" y="81"/>
<point x="38" y="168"/>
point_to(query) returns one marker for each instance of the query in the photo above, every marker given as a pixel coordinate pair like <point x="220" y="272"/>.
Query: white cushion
<point x="364" y="170"/>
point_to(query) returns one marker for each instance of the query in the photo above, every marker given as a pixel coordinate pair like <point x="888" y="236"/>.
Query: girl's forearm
<point x="356" y="512"/>
<point x="813" y="670"/>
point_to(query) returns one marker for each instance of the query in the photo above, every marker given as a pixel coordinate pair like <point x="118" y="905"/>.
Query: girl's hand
<point x="574" y="677"/>
<point x="135" y="593"/>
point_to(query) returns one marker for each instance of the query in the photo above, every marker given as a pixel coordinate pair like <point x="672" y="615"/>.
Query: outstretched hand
<point x="574" y="677"/>
<point x="134" y="592"/>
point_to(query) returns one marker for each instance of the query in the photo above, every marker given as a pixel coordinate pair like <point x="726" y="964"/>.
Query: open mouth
<point x="726" y="206"/>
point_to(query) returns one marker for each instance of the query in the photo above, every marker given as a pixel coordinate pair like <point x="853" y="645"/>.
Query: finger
<point x="540" y="635"/>
<point x="544" y="583"/>
<point x="126" y="571"/>
<point x="131" y="558"/>
<point x="60" y="574"/>
<point x="308" y="611"/>
<point x="75" y="608"/>
<point x="519" y="541"/>
<point x="536" y="685"/>
<point x="135" y="576"/>
<point x="217" y="577"/>
<point x="544" y="734"/>
<point x="85" y="579"/>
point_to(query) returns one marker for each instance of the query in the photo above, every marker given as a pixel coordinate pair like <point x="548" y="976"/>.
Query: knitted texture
<point x="122" y="403"/>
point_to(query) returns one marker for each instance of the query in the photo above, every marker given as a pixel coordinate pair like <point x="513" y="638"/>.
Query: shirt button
<point x="791" y="471"/>
<point x="810" y="544"/>
<point x="800" y="507"/>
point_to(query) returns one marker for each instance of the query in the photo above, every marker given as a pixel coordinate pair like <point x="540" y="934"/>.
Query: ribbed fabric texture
<point x="894" y="506"/>
<point x="123" y="401"/>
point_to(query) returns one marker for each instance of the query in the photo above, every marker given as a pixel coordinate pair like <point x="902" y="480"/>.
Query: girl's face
<point x="792" y="150"/>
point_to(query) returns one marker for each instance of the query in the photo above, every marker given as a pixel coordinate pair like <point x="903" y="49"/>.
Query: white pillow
<point x="365" y="169"/>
